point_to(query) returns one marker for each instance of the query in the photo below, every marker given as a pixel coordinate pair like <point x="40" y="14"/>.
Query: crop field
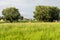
<point x="30" y="31"/>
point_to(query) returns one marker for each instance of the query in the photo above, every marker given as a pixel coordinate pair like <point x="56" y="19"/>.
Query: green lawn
<point x="30" y="31"/>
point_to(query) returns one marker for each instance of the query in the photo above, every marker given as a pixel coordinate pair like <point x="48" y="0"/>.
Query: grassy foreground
<point x="30" y="31"/>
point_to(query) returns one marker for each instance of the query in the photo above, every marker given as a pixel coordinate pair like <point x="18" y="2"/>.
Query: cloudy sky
<point x="26" y="7"/>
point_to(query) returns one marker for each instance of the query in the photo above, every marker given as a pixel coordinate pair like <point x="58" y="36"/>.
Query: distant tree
<point x="46" y="13"/>
<point x="21" y="17"/>
<point x="0" y="17"/>
<point x="11" y="14"/>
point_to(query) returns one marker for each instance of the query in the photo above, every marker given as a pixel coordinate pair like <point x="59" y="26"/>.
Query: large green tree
<point x="11" y="14"/>
<point x="46" y="13"/>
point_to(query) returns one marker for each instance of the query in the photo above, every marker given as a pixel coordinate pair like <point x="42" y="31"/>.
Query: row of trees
<point x="46" y="13"/>
<point x="41" y="13"/>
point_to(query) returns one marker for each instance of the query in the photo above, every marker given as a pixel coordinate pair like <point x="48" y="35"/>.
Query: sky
<point x="26" y="7"/>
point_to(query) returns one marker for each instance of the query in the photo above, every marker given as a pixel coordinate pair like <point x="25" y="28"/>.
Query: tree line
<point x="41" y="13"/>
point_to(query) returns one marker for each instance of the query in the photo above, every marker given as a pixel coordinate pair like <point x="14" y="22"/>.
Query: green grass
<point x="30" y="31"/>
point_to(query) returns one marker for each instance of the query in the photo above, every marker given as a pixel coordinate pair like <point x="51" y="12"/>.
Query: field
<point x="30" y="31"/>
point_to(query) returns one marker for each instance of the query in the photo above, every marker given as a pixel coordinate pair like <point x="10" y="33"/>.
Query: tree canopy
<point x="11" y="14"/>
<point x="46" y="13"/>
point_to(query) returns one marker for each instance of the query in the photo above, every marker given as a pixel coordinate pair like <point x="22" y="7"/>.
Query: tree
<point x="54" y="13"/>
<point x="1" y="17"/>
<point x="11" y="14"/>
<point x="21" y="17"/>
<point x="46" y="13"/>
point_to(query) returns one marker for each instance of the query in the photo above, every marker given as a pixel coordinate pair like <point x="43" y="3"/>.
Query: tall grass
<point x="30" y="31"/>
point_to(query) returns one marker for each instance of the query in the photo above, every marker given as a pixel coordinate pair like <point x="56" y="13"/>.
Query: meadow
<point x="30" y="31"/>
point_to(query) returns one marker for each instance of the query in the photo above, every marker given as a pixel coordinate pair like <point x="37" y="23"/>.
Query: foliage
<point x="54" y="13"/>
<point x="30" y="31"/>
<point x="1" y="17"/>
<point x="11" y="14"/>
<point x="21" y="17"/>
<point x="46" y="13"/>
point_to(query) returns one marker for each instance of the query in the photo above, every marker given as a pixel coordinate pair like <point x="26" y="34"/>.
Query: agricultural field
<point x="30" y="31"/>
